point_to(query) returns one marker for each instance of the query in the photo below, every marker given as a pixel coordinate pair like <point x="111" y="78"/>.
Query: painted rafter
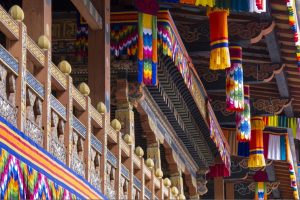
<point x="89" y="13"/>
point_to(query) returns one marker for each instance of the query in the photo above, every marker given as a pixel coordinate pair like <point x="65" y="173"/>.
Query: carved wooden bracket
<point x="270" y="186"/>
<point x="258" y="106"/>
<point x="191" y="33"/>
<point x="252" y="73"/>
<point x="272" y="106"/>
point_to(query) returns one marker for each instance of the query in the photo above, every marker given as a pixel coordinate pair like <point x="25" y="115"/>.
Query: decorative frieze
<point x="79" y="127"/>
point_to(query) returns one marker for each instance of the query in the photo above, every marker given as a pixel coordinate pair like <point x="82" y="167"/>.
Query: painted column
<point x="38" y="18"/>
<point x="153" y="152"/>
<point x="99" y="57"/>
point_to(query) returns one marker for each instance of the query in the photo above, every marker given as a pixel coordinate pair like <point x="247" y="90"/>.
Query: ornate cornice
<point x="258" y="106"/>
<point x="237" y="31"/>
<point x="264" y="32"/>
<point x="270" y="186"/>
<point x="252" y="73"/>
<point x="272" y="106"/>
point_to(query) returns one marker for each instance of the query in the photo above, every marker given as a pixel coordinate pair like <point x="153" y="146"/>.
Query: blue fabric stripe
<point x="282" y="147"/>
<point x="219" y="45"/>
<point x="140" y="71"/>
<point x="243" y="149"/>
<point x="257" y="152"/>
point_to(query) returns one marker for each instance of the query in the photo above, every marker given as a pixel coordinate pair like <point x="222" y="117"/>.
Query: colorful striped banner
<point x="18" y="145"/>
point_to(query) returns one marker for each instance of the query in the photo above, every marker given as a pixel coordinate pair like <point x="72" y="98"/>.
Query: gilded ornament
<point x="159" y="173"/>
<point x="101" y="108"/>
<point x="150" y="163"/>
<point x="43" y="42"/>
<point x="17" y="13"/>
<point x="182" y="197"/>
<point x="167" y="182"/>
<point x="65" y="67"/>
<point x="128" y="139"/>
<point x="139" y="151"/>
<point x="84" y="89"/>
<point x="174" y="191"/>
<point x="116" y="125"/>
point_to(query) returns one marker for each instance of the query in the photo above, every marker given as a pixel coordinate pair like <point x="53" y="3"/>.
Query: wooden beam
<point x="275" y="56"/>
<point x="89" y="13"/>
<point x="229" y="191"/>
<point x="219" y="187"/>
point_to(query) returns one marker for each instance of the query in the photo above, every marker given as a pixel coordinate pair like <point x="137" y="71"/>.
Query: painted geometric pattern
<point x="20" y="181"/>
<point x="27" y="171"/>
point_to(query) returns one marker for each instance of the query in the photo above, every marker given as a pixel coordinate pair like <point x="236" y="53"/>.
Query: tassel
<point x="219" y="53"/>
<point x="243" y="118"/>
<point x="234" y="81"/>
<point x="256" y="158"/>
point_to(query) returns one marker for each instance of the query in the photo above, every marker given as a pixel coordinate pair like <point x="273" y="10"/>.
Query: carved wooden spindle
<point x="30" y="99"/>
<point x="3" y="74"/>
<point x="80" y="148"/>
<point x="37" y="109"/>
<point x="61" y="130"/>
<point x="54" y="124"/>
<point x="12" y="89"/>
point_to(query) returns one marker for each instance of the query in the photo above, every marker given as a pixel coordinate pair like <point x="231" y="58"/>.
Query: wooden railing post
<point x="129" y="162"/>
<point x="86" y="119"/>
<point x="117" y="151"/>
<point x="103" y="140"/>
<point x="142" y="178"/>
<point x="18" y="50"/>
<point x="67" y="100"/>
<point x="45" y="78"/>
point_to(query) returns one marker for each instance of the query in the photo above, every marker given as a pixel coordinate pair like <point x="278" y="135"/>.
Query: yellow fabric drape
<point x="210" y="3"/>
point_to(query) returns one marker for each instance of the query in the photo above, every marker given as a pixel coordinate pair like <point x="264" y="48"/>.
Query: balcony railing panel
<point x="69" y="139"/>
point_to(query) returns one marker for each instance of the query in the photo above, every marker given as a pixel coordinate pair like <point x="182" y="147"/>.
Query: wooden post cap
<point x="16" y="13"/>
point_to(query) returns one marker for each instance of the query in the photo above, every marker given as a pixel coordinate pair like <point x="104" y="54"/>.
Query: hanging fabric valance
<point x="256" y="158"/>
<point x="147" y="49"/>
<point x="243" y="121"/>
<point x="234" y="80"/>
<point x="257" y="6"/>
<point x="219" y="51"/>
<point x="147" y="41"/>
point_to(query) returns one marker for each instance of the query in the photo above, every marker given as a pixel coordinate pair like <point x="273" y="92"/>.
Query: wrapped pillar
<point x="219" y="52"/>
<point x="256" y="158"/>
<point x="243" y="123"/>
<point x="234" y="80"/>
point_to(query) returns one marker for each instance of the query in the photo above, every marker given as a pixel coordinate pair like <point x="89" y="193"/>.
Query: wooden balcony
<point x="40" y="100"/>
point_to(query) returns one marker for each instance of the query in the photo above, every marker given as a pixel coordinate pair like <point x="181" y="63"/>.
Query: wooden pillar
<point x="124" y="112"/>
<point x="66" y="99"/>
<point x="219" y="187"/>
<point x="18" y="50"/>
<point x="229" y="191"/>
<point x="38" y="18"/>
<point x="177" y="181"/>
<point x="117" y="151"/>
<point x="99" y="57"/>
<point x="86" y="119"/>
<point x="44" y="76"/>
<point x="153" y="152"/>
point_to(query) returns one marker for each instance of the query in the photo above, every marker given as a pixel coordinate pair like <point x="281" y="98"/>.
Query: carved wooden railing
<point x="40" y="100"/>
